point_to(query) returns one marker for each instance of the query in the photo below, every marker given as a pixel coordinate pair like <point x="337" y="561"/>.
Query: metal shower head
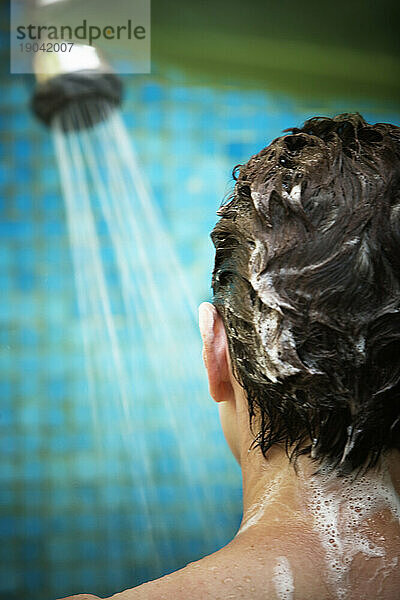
<point x="78" y="86"/>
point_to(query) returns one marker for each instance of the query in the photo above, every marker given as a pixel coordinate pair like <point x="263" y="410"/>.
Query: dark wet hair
<point x="307" y="282"/>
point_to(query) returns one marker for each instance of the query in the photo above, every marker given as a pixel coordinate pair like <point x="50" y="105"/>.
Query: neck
<point x="273" y="491"/>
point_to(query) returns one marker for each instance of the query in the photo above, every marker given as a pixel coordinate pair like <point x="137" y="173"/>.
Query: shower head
<point x="77" y="86"/>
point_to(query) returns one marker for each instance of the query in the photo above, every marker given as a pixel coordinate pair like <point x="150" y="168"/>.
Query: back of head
<point x="307" y="281"/>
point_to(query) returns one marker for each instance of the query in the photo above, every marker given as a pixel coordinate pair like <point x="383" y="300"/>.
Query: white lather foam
<point x="339" y="514"/>
<point x="283" y="579"/>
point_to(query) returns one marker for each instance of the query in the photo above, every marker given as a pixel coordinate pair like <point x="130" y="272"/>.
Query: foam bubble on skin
<point x="283" y="579"/>
<point x="257" y="510"/>
<point x="338" y="517"/>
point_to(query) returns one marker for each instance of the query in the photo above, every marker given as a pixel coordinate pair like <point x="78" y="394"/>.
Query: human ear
<point x="215" y="353"/>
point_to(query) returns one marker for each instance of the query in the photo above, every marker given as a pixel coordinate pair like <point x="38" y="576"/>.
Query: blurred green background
<point x="307" y="48"/>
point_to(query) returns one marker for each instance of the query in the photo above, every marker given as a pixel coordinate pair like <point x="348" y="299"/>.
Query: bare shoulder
<point x="219" y="575"/>
<point x="229" y="573"/>
<point x="276" y="564"/>
<point x="202" y="580"/>
<point x="239" y="571"/>
<point x="82" y="597"/>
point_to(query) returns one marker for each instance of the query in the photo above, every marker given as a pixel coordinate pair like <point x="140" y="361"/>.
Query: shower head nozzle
<point x="79" y="88"/>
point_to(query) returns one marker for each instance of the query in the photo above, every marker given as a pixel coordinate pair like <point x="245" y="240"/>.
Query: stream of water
<point x="139" y="327"/>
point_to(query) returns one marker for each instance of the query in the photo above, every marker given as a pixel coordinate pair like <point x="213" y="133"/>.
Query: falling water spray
<point x="142" y="348"/>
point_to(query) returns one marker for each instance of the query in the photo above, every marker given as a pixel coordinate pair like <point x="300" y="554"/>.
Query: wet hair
<point x="307" y="282"/>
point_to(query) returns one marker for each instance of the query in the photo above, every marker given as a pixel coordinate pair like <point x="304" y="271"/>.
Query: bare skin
<point x="302" y="536"/>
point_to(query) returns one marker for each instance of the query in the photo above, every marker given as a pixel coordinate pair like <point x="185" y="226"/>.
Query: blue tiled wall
<point x="53" y="543"/>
